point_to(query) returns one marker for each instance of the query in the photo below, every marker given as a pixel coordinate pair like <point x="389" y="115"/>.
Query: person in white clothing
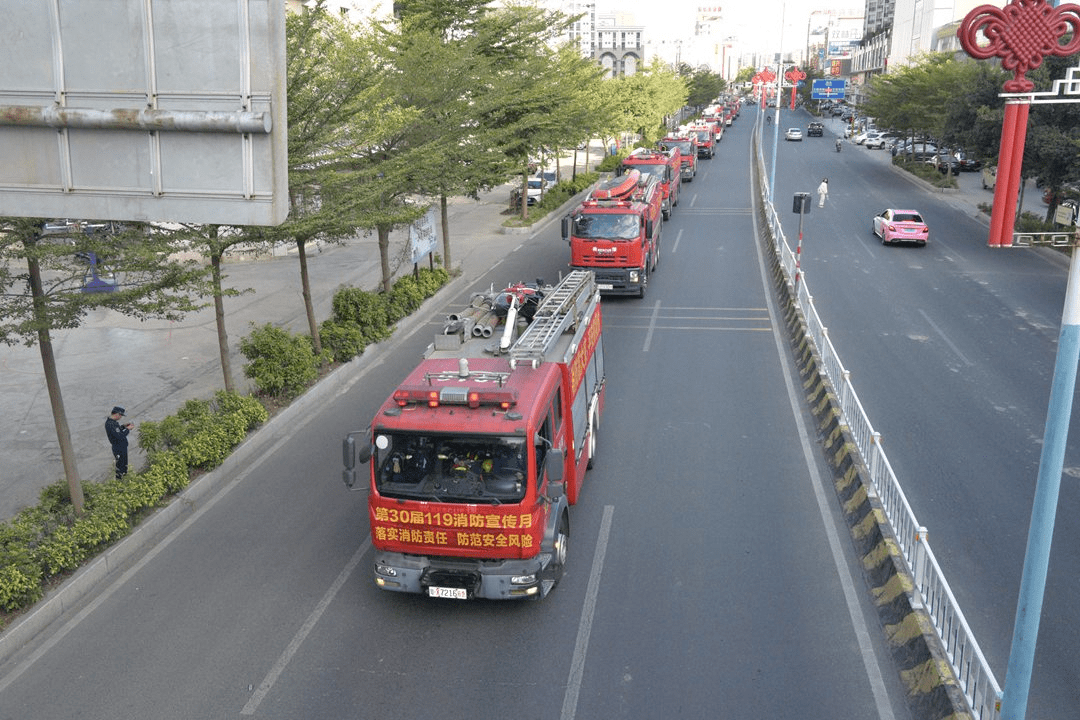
<point x="822" y="192"/>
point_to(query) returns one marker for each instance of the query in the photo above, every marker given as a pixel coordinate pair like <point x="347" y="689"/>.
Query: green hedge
<point x="44" y="541"/>
<point x="49" y="539"/>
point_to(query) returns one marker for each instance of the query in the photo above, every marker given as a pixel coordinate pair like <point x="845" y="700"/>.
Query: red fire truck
<point x="705" y="136"/>
<point x="476" y="458"/>
<point x="616" y="233"/>
<point x="687" y="153"/>
<point x="664" y="166"/>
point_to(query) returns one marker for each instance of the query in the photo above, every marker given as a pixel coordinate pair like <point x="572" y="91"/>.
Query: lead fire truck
<point x="664" y="166"/>
<point x="476" y="458"/>
<point x="616" y="232"/>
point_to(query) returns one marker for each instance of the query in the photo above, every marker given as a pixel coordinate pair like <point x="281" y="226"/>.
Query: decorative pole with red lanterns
<point x="1023" y="33"/>
<point x="794" y="75"/>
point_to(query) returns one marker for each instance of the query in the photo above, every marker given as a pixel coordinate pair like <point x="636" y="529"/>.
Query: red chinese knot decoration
<point x="1022" y="33"/>
<point x="794" y="75"/>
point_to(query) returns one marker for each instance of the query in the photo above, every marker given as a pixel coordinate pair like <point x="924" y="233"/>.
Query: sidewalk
<point x="152" y="368"/>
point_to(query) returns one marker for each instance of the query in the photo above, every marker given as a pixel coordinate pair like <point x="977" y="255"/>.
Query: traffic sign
<point x="828" y="90"/>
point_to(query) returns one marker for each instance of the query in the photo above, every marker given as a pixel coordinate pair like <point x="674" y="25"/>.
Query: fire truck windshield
<point x="647" y="170"/>
<point x="450" y="468"/>
<point x="683" y="145"/>
<point x="607" y="226"/>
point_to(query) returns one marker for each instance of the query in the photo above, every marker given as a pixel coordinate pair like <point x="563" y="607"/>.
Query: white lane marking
<point x="282" y="662"/>
<point x="946" y="339"/>
<point x="581" y="647"/>
<point x="870" y="661"/>
<point x="652" y="326"/>
<point x="130" y="572"/>
<point x="677" y="239"/>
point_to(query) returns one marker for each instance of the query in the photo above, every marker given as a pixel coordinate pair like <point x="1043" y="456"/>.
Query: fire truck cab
<point x="688" y="153"/>
<point x="665" y="167"/>
<point x="616" y="234"/>
<point x="476" y="458"/>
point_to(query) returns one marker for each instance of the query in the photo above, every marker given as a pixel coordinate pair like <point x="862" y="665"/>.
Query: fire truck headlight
<point x="635" y="276"/>
<point x="522" y="579"/>
<point x="385" y="570"/>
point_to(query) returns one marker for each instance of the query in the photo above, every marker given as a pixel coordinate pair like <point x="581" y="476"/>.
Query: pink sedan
<point x="894" y="226"/>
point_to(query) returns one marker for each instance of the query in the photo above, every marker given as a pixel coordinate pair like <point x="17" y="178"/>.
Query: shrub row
<point x="49" y="539"/>
<point x="44" y="541"/>
<point x="283" y="365"/>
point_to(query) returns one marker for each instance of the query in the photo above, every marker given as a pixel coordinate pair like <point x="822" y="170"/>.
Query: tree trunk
<point x="384" y="257"/>
<point x="52" y="383"/>
<point x="525" y="196"/>
<point x="219" y="316"/>
<point x="445" y="232"/>
<point x="309" y="308"/>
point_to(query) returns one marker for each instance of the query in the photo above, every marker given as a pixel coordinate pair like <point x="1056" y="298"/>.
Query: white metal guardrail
<point x="932" y="590"/>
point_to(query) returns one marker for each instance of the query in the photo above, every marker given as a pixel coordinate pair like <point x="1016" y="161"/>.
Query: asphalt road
<point x="710" y="573"/>
<point x="951" y="349"/>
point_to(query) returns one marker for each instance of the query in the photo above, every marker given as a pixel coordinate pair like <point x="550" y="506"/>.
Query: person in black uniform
<point x="118" y="438"/>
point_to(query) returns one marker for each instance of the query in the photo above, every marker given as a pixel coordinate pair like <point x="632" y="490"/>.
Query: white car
<point x="793" y="134"/>
<point x="879" y="140"/>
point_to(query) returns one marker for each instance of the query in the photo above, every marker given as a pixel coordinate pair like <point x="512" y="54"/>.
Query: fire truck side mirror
<point x="350" y="456"/>
<point x="555" y="461"/>
<point x="648" y="228"/>
<point x="566" y="227"/>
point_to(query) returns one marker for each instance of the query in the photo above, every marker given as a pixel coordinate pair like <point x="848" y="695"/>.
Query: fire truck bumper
<point x="617" y="281"/>
<point x="459" y="578"/>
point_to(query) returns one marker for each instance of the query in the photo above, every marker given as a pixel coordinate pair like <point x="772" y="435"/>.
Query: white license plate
<point x="452" y="593"/>
<point x="605" y="286"/>
<point x="911" y="230"/>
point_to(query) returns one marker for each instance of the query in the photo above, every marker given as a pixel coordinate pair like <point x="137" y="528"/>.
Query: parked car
<point x="793" y="134"/>
<point x="989" y="177"/>
<point x="815" y="129"/>
<point x="945" y="163"/>
<point x="894" y="226"/>
<point x="880" y="140"/>
<point x="920" y="150"/>
<point x="967" y="163"/>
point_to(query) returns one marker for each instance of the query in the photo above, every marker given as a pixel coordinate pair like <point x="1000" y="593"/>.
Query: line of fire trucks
<point x="476" y="457"/>
<point x="616" y="231"/>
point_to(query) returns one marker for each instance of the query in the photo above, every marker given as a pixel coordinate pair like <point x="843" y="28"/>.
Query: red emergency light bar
<point x="455" y="395"/>
<point x="607" y="203"/>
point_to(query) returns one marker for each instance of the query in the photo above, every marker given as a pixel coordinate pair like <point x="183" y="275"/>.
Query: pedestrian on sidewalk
<point x="118" y="438"/>
<point x="822" y="192"/>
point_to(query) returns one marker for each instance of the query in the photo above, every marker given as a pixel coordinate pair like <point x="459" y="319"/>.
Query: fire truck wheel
<point x="562" y="547"/>
<point x="644" y="281"/>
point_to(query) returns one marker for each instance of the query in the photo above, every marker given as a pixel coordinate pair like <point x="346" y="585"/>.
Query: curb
<point x="933" y="692"/>
<point x="86" y="580"/>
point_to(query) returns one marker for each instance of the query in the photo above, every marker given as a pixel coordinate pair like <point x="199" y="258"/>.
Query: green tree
<point x="42" y="276"/>
<point x="213" y="242"/>
<point x="336" y="113"/>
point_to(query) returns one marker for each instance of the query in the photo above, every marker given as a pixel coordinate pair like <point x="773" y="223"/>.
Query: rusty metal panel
<point x="144" y="110"/>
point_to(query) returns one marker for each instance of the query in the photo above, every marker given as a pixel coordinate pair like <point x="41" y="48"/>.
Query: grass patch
<point x="926" y="171"/>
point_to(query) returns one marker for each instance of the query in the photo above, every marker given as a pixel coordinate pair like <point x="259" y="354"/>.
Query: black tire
<point x="560" y="552"/>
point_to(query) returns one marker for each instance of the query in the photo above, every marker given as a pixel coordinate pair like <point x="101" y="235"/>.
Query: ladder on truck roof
<point x="562" y="307"/>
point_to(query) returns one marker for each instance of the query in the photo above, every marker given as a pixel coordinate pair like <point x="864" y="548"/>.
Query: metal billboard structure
<point x="166" y="110"/>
